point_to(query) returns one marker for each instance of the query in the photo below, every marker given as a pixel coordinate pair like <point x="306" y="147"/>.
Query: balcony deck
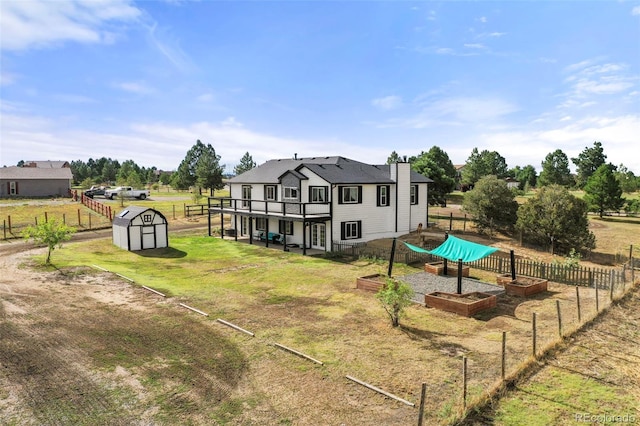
<point x="292" y="210"/>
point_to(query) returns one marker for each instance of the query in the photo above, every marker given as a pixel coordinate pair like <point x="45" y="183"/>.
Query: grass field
<point x="138" y="356"/>
<point x="306" y="303"/>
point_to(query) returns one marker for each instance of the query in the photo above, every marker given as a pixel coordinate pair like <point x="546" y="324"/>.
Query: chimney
<point x="295" y="156"/>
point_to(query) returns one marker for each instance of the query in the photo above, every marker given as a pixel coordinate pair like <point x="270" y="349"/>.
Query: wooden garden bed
<point x="437" y="268"/>
<point x="522" y="286"/>
<point x="371" y="283"/>
<point x="466" y="304"/>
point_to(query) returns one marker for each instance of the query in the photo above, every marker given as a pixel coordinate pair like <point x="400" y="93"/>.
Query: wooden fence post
<point x="423" y="396"/>
<point x="89" y="220"/>
<point x="4" y="228"/>
<point x="36" y="219"/>
<point x="79" y="222"/>
<point x="533" y="325"/>
<point x="559" y="318"/>
<point x="9" y="220"/>
<point x="450" y="221"/>
<point x="611" y="281"/>
<point x="504" y="354"/>
<point x="464" y="383"/>
<point x="578" y="302"/>
<point x="46" y="217"/>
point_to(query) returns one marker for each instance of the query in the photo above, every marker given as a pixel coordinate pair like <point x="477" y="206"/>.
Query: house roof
<point x="338" y="170"/>
<point x="21" y="173"/>
<point x="47" y="164"/>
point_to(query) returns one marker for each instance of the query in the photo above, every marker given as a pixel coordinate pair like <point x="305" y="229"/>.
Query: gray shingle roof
<point x="338" y="170"/>
<point x="19" y="173"/>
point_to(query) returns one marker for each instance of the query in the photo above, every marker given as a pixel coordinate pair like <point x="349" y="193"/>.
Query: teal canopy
<point x="456" y="248"/>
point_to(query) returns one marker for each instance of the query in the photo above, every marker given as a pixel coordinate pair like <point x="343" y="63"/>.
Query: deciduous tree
<point x="395" y="296"/>
<point x="481" y="164"/>
<point x="436" y="165"/>
<point x="50" y="233"/>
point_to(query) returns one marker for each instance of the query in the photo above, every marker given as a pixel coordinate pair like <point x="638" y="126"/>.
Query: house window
<point x="285" y="227"/>
<point x="351" y="230"/>
<point x="270" y="193"/>
<point x="383" y="195"/>
<point x="261" y="223"/>
<point x="146" y="218"/>
<point x="350" y="194"/>
<point x="318" y="194"/>
<point x="246" y="195"/>
<point x="414" y="194"/>
<point x="13" y="188"/>
<point x="290" y="193"/>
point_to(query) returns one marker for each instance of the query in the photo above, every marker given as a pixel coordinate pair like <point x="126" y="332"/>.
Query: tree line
<point x="200" y="169"/>
<point x="603" y="183"/>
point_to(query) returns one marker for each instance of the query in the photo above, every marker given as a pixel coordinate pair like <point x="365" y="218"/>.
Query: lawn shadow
<point x="165" y="253"/>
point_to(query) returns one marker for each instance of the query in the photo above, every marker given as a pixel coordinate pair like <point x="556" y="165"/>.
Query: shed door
<point x="148" y="237"/>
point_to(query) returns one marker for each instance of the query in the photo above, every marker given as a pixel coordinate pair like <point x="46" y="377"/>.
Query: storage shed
<point x="140" y="228"/>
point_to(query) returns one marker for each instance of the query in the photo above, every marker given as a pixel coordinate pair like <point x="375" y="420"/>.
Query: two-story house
<point x="314" y="202"/>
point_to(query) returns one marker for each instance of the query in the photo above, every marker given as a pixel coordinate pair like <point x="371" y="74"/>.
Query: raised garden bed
<point x="466" y="304"/>
<point x="522" y="286"/>
<point x="371" y="283"/>
<point x="437" y="268"/>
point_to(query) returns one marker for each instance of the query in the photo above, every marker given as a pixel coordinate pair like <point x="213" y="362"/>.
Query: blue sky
<point x="145" y="80"/>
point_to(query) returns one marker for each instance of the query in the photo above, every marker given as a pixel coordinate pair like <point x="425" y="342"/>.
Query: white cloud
<point x="387" y="103"/>
<point x="205" y="97"/>
<point x="41" y="23"/>
<point x="635" y="11"/>
<point x="160" y="144"/>
<point x="475" y="46"/>
<point x="483" y="19"/>
<point x="7" y="78"/>
<point x="134" y="87"/>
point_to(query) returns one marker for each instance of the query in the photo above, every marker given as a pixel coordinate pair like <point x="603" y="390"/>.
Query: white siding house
<point x="315" y="202"/>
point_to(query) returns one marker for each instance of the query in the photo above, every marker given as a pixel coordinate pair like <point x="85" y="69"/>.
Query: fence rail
<point x="195" y="210"/>
<point x="603" y="278"/>
<point x="97" y="207"/>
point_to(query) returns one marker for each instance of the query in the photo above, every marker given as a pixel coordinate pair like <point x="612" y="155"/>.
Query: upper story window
<point x="290" y="193"/>
<point x="350" y="194"/>
<point x="318" y="194"/>
<point x="246" y="195"/>
<point x="270" y="193"/>
<point x="414" y="194"/>
<point x="383" y="195"/>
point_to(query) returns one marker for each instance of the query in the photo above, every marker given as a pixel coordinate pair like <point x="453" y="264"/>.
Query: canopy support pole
<point x="459" y="276"/>
<point x="513" y="265"/>
<point x="393" y="253"/>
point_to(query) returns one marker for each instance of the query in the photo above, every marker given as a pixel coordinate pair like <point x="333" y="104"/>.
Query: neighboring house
<point x="512" y="183"/>
<point x="35" y="182"/>
<point x="47" y="164"/>
<point x="314" y="202"/>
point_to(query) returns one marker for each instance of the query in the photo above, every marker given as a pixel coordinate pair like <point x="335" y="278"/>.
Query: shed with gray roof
<point x="140" y="228"/>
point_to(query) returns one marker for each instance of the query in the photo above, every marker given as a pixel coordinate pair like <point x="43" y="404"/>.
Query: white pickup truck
<point x="127" y="192"/>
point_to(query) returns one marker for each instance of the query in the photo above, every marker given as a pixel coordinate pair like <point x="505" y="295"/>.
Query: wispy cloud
<point x="635" y="11"/>
<point x="136" y="87"/>
<point x="162" y="40"/>
<point x="590" y="78"/>
<point x="387" y="103"/>
<point x="205" y="97"/>
<point x="453" y="111"/>
<point x="41" y="23"/>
